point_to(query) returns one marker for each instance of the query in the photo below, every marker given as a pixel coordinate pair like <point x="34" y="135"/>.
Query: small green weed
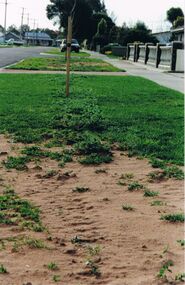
<point x="127" y="207"/>
<point x="93" y="250"/>
<point x="81" y="189"/>
<point x="135" y="186"/>
<point x="94" y="269"/>
<point x="174" y="218"/>
<point x="148" y="193"/>
<point x="127" y="176"/>
<point x="3" y="269"/>
<point x="156" y="176"/>
<point x="121" y="183"/>
<point x="50" y="174"/>
<point x="158" y="203"/>
<point x="52" y="266"/>
<point x="180" y="277"/>
<point x="181" y="242"/>
<point x="164" y="268"/>
<point x="98" y="171"/>
<point x="56" y="278"/>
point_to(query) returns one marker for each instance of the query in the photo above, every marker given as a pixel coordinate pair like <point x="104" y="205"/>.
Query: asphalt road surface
<point x="11" y="55"/>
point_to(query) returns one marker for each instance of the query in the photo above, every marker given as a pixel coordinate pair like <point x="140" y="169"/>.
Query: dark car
<point x="74" y="45"/>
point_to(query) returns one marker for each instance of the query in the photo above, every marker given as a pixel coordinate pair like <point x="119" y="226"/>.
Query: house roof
<point x="13" y="35"/>
<point x="38" y="36"/>
<point x="178" y="30"/>
<point x="161" y="33"/>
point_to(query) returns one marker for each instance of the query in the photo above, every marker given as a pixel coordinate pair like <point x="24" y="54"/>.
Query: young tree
<point x="179" y="22"/>
<point x="114" y="34"/>
<point x="173" y="13"/>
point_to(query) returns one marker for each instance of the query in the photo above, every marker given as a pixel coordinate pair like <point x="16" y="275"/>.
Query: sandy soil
<point x="132" y="245"/>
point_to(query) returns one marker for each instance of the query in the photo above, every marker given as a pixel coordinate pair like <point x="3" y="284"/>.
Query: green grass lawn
<point x="143" y="117"/>
<point x="59" y="63"/>
<point x="73" y="54"/>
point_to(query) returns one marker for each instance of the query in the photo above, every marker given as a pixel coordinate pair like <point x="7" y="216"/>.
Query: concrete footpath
<point x="171" y="80"/>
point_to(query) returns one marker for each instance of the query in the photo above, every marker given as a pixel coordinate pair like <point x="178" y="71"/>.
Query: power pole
<point x="28" y="19"/>
<point x="22" y="18"/>
<point x="6" y="4"/>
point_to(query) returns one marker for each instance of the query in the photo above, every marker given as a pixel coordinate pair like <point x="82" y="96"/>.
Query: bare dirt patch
<point x="89" y="235"/>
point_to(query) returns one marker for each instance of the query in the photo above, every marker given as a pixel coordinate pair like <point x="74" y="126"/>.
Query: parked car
<point x="74" y="45"/>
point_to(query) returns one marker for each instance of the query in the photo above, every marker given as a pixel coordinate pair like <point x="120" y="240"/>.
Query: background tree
<point x="139" y="33"/>
<point x="13" y="29"/>
<point x="173" y="14"/>
<point x="88" y="14"/>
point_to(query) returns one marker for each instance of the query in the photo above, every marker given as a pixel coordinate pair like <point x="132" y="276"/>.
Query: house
<point x="178" y="34"/>
<point x="12" y="36"/>
<point x="38" y="38"/>
<point x="163" y="37"/>
<point x="1" y="38"/>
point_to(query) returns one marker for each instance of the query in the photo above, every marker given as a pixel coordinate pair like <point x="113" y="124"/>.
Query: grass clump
<point x="35" y="243"/>
<point x="135" y="186"/>
<point x="81" y="189"/>
<point x="127" y="207"/>
<point x="174" y="218"/>
<point x="157" y="203"/>
<point x="180" y="277"/>
<point x="94" y="268"/>
<point x="56" y="278"/>
<point x="148" y="193"/>
<point x="52" y="266"/>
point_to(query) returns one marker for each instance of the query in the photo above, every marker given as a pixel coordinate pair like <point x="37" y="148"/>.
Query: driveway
<point x="11" y="55"/>
<point x="171" y="80"/>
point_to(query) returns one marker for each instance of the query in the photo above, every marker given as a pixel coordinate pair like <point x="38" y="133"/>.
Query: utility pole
<point x="6" y="4"/>
<point x="22" y="18"/>
<point x="34" y="31"/>
<point x="28" y="19"/>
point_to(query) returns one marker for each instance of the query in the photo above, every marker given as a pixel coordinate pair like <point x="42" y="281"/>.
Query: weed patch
<point x="135" y="186"/>
<point x="81" y="189"/>
<point x="174" y="218"/>
<point x="148" y="193"/>
<point x="127" y="207"/>
<point x="18" y="163"/>
<point x="3" y="269"/>
<point x="16" y="211"/>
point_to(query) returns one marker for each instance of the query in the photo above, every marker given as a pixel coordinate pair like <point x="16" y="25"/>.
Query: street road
<point x="11" y="55"/>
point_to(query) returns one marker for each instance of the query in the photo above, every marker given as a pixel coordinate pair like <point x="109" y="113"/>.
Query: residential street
<point x="12" y="55"/>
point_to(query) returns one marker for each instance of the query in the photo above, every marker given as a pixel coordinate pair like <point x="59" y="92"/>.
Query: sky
<point x="152" y="12"/>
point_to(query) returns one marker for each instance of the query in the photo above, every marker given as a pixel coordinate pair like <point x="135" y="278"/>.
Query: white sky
<point x="152" y="12"/>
